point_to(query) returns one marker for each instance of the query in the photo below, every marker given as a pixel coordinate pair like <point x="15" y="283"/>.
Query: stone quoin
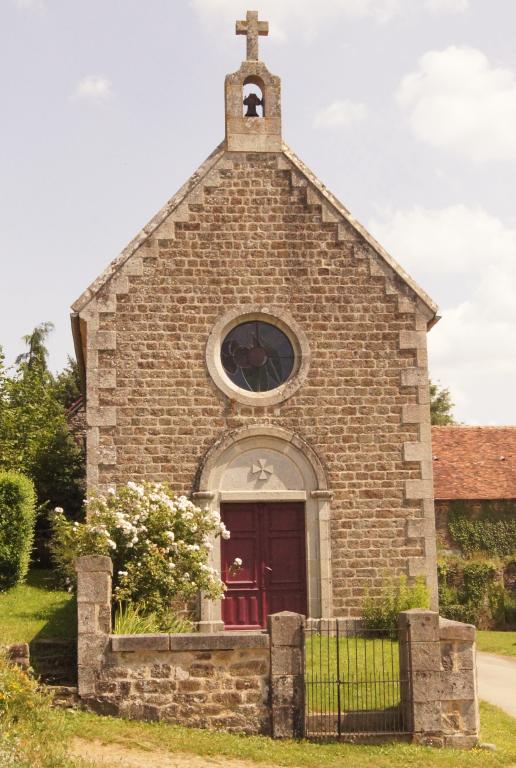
<point x="256" y="348"/>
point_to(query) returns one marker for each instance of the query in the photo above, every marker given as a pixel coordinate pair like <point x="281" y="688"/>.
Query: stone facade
<point x="256" y="229"/>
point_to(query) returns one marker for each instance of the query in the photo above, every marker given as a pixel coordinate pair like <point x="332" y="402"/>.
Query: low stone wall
<point x="244" y="682"/>
<point x="441" y="700"/>
<point x="209" y="681"/>
<point x="253" y="682"/>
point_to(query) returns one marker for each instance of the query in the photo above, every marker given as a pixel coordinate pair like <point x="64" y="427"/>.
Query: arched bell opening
<point x="253" y="97"/>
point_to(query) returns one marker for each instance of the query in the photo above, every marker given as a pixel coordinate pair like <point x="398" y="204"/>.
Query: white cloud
<point x="31" y="5"/>
<point x="93" y="88"/>
<point x="340" y="114"/>
<point x="307" y="18"/>
<point x="447" y="6"/>
<point x="466" y="259"/>
<point x="458" y="100"/>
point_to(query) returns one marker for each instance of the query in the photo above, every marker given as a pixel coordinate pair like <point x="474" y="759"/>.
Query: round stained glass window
<point x="257" y="356"/>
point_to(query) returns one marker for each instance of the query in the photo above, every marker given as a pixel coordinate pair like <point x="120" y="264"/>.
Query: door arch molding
<point x="267" y="463"/>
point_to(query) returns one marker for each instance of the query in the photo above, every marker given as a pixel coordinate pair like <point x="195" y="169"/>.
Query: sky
<point x="405" y="109"/>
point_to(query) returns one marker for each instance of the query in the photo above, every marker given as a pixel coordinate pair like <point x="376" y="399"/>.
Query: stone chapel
<point x="255" y="348"/>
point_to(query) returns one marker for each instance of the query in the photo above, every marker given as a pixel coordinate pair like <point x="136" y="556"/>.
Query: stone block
<point x="427" y="717"/>
<point x="287" y="691"/>
<point x="286" y="660"/>
<point x="218" y="642"/>
<point x="283" y="723"/>
<point x="456" y="630"/>
<point x="94" y="588"/>
<point x="457" y="685"/>
<point x="286" y="628"/>
<point x="86" y="680"/>
<point x="413" y="413"/>
<point x="414" y="377"/>
<point x="461" y="741"/>
<point x="416" y="529"/>
<point x="139" y="643"/>
<point x="93" y="564"/>
<point x="103" y="416"/>
<point x="87" y="618"/>
<point x="415" y="451"/>
<point x="90" y="650"/>
<point x="418" y="489"/>
<point x="412" y="340"/>
<point x="249" y="667"/>
<point x="426" y="686"/>
<point x="104" y="619"/>
<point x="423" y="625"/>
<point x="426" y="656"/>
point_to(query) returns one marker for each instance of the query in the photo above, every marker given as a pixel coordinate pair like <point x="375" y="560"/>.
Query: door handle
<point x="266" y="567"/>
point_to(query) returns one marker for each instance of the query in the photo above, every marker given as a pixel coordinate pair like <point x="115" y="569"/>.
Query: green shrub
<point x="17" y="520"/>
<point x="397" y="595"/>
<point x="472" y="591"/>
<point x="159" y="545"/>
<point x="131" y="619"/>
<point x="31" y="733"/>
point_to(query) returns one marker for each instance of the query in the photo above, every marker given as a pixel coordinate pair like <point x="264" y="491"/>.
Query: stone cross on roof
<point x="252" y="28"/>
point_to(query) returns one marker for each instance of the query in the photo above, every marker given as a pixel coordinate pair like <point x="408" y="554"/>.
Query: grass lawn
<point x="503" y="643"/>
<point x="497" y="727"/>
<point x="36" y="609"/>
<point x="368" y="671"/>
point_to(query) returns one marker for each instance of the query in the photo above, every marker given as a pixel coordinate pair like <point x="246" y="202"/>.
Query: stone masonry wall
<point x="244" y="682"/>
<point x="474" y="509"/>
<point x="157" y="678"/>
<point x="256" y="230"/>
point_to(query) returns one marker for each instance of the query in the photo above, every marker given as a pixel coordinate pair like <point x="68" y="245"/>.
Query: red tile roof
<point x="474" y="462"/>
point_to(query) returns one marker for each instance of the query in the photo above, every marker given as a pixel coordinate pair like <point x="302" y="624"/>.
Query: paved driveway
<point x="497" y="680"/>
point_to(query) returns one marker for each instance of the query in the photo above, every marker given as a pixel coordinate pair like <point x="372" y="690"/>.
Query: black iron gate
<point x="356" y="681"/>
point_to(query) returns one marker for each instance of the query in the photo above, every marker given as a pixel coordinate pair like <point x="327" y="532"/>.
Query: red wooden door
<point x="269" y="538"/>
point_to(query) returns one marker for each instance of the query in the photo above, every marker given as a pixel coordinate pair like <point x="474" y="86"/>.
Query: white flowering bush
<point x="159" y="544"/>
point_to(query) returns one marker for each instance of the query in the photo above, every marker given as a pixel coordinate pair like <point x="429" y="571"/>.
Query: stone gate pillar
<point x="287" y="695"/>
<point x="439" y="692"/>
<point x="94" y="577"/>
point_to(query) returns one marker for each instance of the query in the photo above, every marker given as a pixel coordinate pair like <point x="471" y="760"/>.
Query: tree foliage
<point x="34" y="435"/>
<point x="441" y="405"/>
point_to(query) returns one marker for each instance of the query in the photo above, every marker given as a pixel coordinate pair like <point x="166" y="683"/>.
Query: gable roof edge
<point x="370" y="240"/>
<point x="113" y="267"/>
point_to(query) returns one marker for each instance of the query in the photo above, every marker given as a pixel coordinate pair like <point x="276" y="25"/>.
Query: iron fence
<point x="356" y="680"/>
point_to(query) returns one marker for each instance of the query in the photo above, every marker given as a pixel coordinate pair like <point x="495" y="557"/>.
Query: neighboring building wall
<point x="474" y="509"/>
<point x="254" y="231"/>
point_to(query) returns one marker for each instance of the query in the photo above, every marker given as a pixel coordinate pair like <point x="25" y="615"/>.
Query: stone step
<point x="64" y="696"/>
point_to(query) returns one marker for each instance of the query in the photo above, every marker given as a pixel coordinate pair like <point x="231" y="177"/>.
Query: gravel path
<point x="116" y="755"/>
<point x="497" y="680"/>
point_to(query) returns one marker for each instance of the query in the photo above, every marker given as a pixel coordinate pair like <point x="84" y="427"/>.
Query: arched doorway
<point x="271" y="488"/>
